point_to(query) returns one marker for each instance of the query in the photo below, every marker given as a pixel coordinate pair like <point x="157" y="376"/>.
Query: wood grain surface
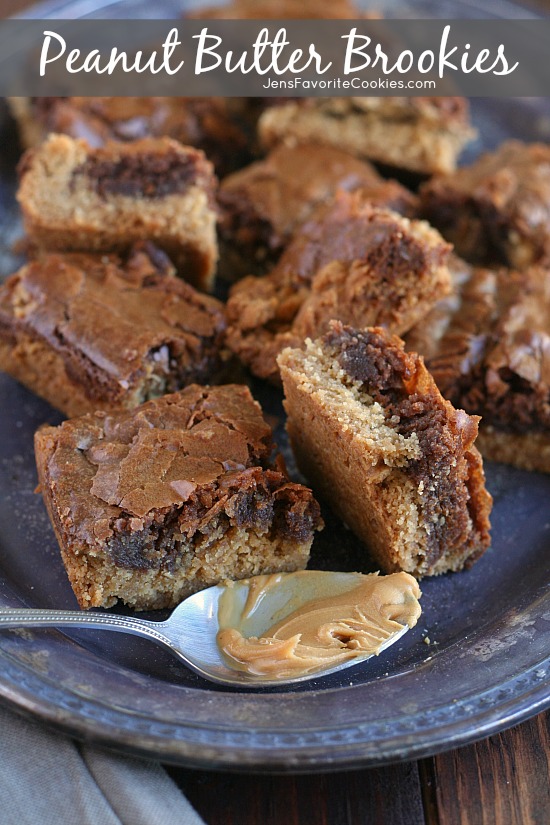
<point x="391" y="795"/>
<point x="503" y="780"/>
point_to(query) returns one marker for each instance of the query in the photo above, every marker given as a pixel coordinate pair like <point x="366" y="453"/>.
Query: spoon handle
<point x="31" y="617"/>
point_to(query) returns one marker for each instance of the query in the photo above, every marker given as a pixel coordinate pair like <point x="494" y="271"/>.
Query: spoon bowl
<point x="190" y="632"/>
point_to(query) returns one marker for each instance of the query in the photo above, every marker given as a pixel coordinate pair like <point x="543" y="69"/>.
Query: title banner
<point x="275" y="58"/>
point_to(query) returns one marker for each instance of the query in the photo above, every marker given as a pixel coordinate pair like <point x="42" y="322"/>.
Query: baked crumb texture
<point x="265" y="203"/>
<point x="396" y="461"/>
<point x="488" y="348"/>
<point x="207" y="123"/>
<point x="151" y="505"/>
<point x="74" y="197"/>
<point x="350" y="261"/>
<point x="91" y="332"/>
<point x="498" y="209"/>
<point x="419" y="134"/>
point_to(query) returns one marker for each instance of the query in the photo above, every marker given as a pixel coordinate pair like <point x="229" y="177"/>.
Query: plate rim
<point x="485" y="713"/>
<point x="330" y="748"/>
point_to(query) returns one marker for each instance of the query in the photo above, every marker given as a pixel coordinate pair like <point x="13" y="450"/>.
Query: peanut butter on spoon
<point x="362" y="616"/>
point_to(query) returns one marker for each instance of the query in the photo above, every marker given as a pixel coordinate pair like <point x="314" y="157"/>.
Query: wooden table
<point x="503" y="780"/>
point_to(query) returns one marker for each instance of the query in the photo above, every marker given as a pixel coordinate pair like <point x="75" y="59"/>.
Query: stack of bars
<point x="340" y="286"/>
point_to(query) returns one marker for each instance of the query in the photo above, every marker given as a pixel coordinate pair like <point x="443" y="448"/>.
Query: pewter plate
<point x="485" y="668"/>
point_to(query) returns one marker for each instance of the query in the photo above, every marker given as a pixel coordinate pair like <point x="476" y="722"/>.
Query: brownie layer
<point x="145" y="176"/>
<point x="497" y="209"/>
<point x="153" y="504"/>
<point x="97" y="332"/>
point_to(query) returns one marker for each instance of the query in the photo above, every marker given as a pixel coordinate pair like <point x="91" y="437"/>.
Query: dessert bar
<point x="74" y="197"/>
<point x="424" y="135"/>
<point x="352" y="262"/>
<point x="498" y="209"/>
<point x="263" y="204"/>
<point x="205" y="123"/>
<point x="397" y="462"/>
<point x="91" y="332"/>
<point x="488" y="348"/>
<point x="153" y="504"/>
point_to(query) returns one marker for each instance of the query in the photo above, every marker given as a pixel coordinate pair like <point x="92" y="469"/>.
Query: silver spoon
<point x="190" y="631"/>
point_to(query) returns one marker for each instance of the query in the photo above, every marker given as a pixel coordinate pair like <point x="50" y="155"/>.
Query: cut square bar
<point x="153" y="504"/>
<point x="76" y="198"/>
<point x="207" y="123"/>
<point x="397" y="462"/>
<point x="488" y="349"/>
<point x="90" y="332"/>
<point x="264" y="204"/>
<point x="423" y="135"/>
<point x="278" y="10"/>
<point x="498" y="209"/>
<point x="351" y="262"/>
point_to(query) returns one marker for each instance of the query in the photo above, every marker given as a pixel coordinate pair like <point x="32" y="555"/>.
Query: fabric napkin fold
<point x="48" y="778"/>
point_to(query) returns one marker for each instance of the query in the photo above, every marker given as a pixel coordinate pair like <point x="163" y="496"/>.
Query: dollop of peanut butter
<point x="323" y="632"/>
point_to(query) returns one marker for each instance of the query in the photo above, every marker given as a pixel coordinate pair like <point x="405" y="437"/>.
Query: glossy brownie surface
<point x="203" y="452"/>
<point x="497" y="209"/>
<point x="265" y="203"/>
<point x="350" y="260"/>
<point x="488" y="346"/>
<point x="115" y="322"/>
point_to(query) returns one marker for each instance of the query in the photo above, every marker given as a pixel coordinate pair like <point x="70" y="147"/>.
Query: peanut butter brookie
<point x="488" y="348"/>
<point x="397" y="462"/>
<point x="153" y="504"/>
<point x="423" y="135"/>
<point x="350" y="261"/>
<point x="498" y="209"/>
<point x="76" y="198"/>
<point x="90" y="332"/>
<point x="206" y="123"/>
<point x="264" y="204"/>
